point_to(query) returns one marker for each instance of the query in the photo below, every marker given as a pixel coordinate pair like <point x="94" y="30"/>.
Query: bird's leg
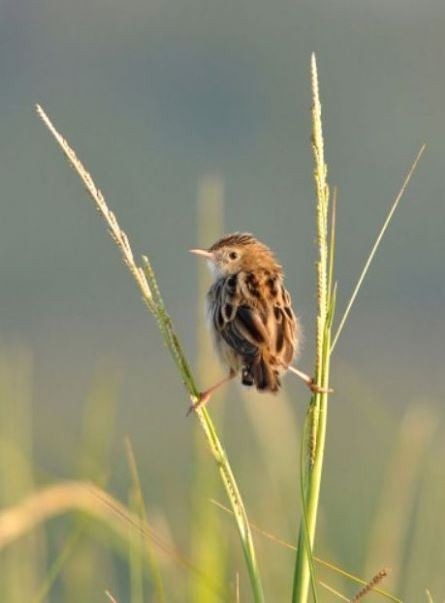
<point x="310" y="382"/>
<point x="205" y="396"/>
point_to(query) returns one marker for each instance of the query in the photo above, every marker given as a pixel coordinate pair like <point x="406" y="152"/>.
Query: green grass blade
<point x="59" y="562"/>
<point x="304" y="539"/>
<point x="135" y="553"/>
<point x="140" y="509"/>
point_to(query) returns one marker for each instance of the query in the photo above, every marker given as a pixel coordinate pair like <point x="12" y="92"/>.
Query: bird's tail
<point x="262" y="374"/>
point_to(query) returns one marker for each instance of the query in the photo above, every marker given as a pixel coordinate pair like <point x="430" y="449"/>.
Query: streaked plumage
<point x="255" y="329"/>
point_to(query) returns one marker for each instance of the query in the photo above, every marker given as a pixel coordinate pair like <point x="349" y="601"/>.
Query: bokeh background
<point x="194" y="118"/>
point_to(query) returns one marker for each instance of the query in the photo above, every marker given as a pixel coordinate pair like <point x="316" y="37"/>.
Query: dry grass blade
<point x="110" y="597"/>
<point x="64" y="497"/>
<point x="333" y="591"/>
<point x="370" y="586"/>
<point x="376" y="246"/>
<point x="67" y="496"/>
<point x="146" y="281"/>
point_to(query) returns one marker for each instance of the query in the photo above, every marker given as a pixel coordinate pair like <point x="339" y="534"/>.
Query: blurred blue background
<point x="157" y="96"/>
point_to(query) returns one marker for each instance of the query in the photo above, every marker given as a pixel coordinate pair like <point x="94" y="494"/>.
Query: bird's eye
<point x="233" y="255"/>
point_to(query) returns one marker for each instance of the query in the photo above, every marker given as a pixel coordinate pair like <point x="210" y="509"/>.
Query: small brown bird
<point x="255" y="330"/>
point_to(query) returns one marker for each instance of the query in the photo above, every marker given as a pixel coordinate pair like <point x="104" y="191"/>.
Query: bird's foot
<point x="316" y="389"/>
<point x="310" y="382"/>
<point x="200" y="401"/>
<point x="205" y="396"/>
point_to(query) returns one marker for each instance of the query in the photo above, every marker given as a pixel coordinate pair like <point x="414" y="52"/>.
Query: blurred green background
<point x="168" y="102"/>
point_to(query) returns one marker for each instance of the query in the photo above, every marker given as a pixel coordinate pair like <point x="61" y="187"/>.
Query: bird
<point x="255" y="330"/>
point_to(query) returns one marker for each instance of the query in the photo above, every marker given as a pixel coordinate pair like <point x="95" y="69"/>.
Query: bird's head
<point x="235" y="252"/>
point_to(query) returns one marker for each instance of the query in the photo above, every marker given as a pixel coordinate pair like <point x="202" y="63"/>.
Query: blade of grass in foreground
<point x="146" y="281"/>
<point x="141" y="511"/>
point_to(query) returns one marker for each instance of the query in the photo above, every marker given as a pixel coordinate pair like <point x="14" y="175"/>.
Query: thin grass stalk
<point x="376" y="245"/>
<point x="333" y="591"/>
<point x="146" y="281"/>
<point x="207" y="425"/>
<point x="316" y="419"/>
<point x="59" y="563"/>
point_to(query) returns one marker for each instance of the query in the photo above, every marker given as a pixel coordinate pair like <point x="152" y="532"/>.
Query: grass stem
<point x="314" y="432"/>
<point x="146" y="280"/>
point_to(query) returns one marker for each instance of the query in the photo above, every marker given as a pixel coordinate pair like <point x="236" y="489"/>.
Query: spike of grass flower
<point x="146" y="280"/>
<point x="314" y="432"/>
<point x="370" y="586"/>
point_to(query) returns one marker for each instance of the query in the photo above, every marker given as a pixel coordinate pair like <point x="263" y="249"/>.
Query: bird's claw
<point x="200" y="400"/>
<point x="316" y="389"/>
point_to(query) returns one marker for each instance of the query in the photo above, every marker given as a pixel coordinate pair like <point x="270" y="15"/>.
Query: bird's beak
<point x="202" y="252"/>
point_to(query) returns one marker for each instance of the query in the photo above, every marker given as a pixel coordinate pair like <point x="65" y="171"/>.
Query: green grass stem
<point x="316" y="420"/>
<point x="314" y="432"/>
<point x="146" y="281"/>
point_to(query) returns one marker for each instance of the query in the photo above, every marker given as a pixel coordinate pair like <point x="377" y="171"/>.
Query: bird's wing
<point x="236" y="320"/>
<point x="252" y="325"/>
<point x="285" y="330"/>
<point x="244" y="330"/>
